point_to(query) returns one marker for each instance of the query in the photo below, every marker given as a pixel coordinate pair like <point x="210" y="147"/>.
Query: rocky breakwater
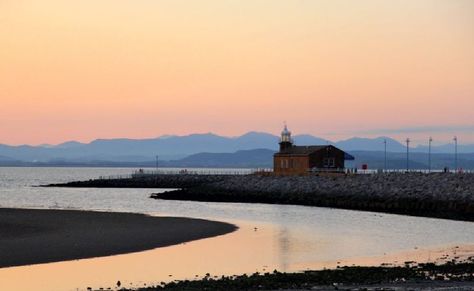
<point x="442" y="195"/>
<point x="147" y="181"/>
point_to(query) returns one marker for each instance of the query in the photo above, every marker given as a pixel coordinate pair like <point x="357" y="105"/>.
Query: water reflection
<point x="247" y="250"/>
<point x="282" y="237"/>
<point x="283" y="248"/>
<point x="243" y="251"/>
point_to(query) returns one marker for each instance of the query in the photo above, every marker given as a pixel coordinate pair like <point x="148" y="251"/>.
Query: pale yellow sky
<point x="80" y="70"/>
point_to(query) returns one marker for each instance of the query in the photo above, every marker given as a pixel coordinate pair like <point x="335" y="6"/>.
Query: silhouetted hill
<point x="306" y="139"/>
<point x="3" y="158"/>
<point x="69" y="144"/>
<point x="172" y="147"/>
<point x="375" y="160"/>
<point x="370" y="144"/>
<point x="241" y="159"/>
<point x="262" y="158"/>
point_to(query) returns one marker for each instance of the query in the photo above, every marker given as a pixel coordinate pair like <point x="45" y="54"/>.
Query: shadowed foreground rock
<point x="450" y="276"/>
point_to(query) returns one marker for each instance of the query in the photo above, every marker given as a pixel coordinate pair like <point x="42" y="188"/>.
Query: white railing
<point x="235" y="172"/>
<point x="198" y="171"/>
<point x="402" y="171"/>
<point x="381" y="171"/>
<point x="113" y="177"/>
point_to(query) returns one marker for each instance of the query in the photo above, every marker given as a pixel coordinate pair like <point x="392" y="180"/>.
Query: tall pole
<point x="156" y="164"/>
<point x="408" y="151"/>
<point x="385" y="155"/>
<point x="455" y="154"/>
<point x="429" y="154"/>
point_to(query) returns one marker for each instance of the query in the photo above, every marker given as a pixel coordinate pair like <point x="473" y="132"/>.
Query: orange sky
<point x="80" y="70"/>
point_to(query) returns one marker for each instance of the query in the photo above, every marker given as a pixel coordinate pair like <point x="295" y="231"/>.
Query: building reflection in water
<point x="284" y="248"/>
<point x="255" y="247"/>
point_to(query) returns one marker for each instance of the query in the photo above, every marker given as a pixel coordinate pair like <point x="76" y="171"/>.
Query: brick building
<point x="302" y="160"/>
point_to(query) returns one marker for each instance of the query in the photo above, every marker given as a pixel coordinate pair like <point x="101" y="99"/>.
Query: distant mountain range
<point x="203" y="147"/>
<point x="263" y="158"/>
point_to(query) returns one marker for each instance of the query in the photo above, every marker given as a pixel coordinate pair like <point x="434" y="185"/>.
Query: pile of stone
<point x="438" y="194"/>
<point x="150" y="181"/>
<point x="444" y="195"/>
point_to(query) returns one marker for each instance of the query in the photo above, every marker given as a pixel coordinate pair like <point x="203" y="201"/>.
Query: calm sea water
<point x="283" y="237"/>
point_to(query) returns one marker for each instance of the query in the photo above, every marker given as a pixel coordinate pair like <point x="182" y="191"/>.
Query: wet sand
<point x="32" y="236"/>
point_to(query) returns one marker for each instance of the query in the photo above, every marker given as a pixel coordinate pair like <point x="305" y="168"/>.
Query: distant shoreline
<point x="33" y="236"/>
<point x="251" y="158"/>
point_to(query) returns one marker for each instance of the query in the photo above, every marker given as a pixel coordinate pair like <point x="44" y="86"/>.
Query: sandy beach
<point x="32" y="236"/>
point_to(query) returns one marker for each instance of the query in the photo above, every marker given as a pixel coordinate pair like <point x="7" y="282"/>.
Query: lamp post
<point x="408" y="151"/>
<point x="455" y="154"/>
<point x="385" y="155"/>
<point x="429" y="154"/>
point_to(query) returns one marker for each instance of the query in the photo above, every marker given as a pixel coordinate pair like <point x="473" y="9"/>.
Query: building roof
<point x="307" y="150"/>
<point x="301" y="150"/>
<point x="348" y="157"/>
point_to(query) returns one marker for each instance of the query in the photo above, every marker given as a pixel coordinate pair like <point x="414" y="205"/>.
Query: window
<point x="284" y="163"/>
<point x="329" y="162"/>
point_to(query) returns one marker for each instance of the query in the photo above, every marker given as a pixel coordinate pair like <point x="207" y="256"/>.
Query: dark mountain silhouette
<point x="375" y="160"/>
<point x="368" y="144"/>
<point x="6" y="159"/>
<point x="240" y="159"/>
<point x="178" y="147"/>
<point x="69" y="144"/>
<point x="263" y="158"/>
<point x="306" y="139"/>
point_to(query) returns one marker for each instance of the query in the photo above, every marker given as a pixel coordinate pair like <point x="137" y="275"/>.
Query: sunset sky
<point x="81" y="70"/>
